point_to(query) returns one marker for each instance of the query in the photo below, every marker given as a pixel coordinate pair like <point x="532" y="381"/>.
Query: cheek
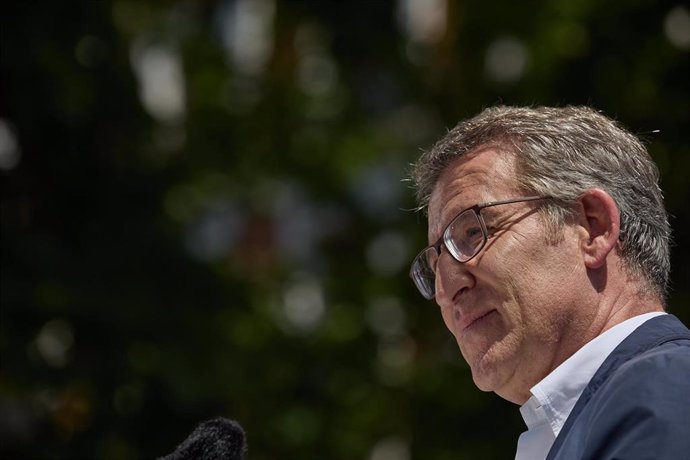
<point x="447" y="315"/>
<point x="544" y="290"/>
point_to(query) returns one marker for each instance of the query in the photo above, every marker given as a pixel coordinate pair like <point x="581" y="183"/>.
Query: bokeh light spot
<point x="390" y="448"/>
<point x="677" y="27"/>
<point x="9" y="147"/>
<point x="54" y="343"/>
<point x="387" y="253"/>
<point x="506" y="59"/>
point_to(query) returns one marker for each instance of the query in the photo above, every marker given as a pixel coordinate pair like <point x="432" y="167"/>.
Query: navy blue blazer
<point x="637" y="405"/>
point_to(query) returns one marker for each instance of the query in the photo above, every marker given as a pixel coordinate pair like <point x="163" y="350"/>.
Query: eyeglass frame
<point x="442" y="241"/>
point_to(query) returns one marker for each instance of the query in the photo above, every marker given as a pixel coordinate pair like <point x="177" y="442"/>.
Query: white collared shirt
<point x="555" y="396"/>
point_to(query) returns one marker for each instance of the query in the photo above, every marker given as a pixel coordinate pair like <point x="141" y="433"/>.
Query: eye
<point x="473" y="236"/>
<point x="473" y="232"/>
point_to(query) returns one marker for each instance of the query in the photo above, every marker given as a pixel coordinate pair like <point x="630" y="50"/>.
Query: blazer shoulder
<point x="636" y="404"/>
<point x="641" y="410"/>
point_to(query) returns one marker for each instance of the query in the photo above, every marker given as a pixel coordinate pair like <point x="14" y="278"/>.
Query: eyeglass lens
<point x="463" y="238"/>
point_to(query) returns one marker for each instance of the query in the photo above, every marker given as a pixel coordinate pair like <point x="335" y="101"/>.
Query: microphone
<point x="215" y="439"/>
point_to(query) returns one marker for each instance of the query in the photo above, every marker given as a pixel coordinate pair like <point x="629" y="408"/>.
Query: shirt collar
<point x="554" y="397"/>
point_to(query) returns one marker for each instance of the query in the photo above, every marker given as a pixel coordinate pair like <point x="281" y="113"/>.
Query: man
<point x="549" y="260"/>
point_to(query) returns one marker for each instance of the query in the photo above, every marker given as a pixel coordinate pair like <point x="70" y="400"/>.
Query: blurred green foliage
<point x="203" y="211"/>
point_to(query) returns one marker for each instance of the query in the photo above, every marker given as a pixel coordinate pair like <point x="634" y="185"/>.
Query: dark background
<point x="203" y="211"/>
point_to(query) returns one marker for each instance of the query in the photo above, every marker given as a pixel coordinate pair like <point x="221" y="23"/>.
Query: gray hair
<point x="561" y="152"/>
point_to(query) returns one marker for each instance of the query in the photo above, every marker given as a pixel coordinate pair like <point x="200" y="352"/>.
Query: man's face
<point x="512" y="309"/>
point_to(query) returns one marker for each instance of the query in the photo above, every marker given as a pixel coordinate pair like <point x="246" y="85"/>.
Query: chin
<point x="483" y="385"/>
<point x="489" y="371"/>
<point x="485" y="381"/>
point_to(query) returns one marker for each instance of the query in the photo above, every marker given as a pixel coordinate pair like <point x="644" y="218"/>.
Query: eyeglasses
<point x="464" y="238"/>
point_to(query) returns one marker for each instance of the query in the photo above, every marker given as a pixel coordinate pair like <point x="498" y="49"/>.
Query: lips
<point x="465" y="323"/>
<point x="467" y="317"/>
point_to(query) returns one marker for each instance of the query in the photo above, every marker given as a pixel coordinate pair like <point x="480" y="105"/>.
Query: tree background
<point x="203" y="211"/>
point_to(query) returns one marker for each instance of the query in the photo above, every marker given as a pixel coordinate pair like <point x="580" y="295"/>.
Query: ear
<point x="600" y="221"/>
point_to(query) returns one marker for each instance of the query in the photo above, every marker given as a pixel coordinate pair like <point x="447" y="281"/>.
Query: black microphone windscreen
<point x="215" y="439"/>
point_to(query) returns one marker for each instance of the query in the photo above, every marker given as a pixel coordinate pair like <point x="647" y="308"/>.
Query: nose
<point x="451" y="278"/>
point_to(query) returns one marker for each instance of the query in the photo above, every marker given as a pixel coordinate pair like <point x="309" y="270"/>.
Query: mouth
<point x="470" y="323"/>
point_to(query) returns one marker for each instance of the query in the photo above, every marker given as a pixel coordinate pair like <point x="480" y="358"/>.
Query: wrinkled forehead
<point x="479" y="177"/>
